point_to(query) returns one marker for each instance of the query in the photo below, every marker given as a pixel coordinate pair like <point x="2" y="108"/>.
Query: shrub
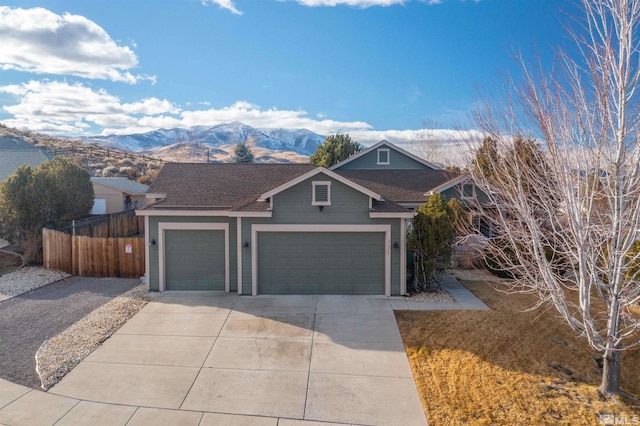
<point x="435" y="229"/>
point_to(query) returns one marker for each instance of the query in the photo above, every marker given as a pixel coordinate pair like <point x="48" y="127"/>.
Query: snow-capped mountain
<point x="217" y="141"/>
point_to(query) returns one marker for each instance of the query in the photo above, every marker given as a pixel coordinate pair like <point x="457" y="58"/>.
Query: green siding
<point x="348" y="206"/>
<point x="292" y="206"/>
<point x="397" y="160"/>
<point x="321" y="263"/>
<point x="246" y="251"/>
<point x="455" y="192"/>
<point x="194" y="260"/>
<point x="154" y="271"/>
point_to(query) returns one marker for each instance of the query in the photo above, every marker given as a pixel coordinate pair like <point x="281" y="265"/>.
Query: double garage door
<point x="287" y="262"/>
<point x="321" y="262"/>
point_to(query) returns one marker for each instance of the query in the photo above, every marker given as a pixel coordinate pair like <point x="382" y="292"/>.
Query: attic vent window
<point x="383" y="156"/>
<point x="468" y="191"/>
<point x="321" y="193"/>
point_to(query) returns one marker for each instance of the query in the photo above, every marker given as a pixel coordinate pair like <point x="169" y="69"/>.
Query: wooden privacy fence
<point x="122" y="224"/>
<point x="92" y="256"/>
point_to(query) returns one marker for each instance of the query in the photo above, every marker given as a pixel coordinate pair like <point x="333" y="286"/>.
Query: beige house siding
<point x="115" y="199"/>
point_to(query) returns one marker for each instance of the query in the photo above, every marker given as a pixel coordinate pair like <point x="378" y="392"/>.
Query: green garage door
<point x="321" y="262"/>
<point x="194" y="260"/>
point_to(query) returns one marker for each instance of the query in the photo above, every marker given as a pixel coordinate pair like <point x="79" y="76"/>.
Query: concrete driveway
<point x="275" y="360"/>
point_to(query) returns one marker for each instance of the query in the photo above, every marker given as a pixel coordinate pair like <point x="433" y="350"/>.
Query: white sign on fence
<point x="128" y="248"/>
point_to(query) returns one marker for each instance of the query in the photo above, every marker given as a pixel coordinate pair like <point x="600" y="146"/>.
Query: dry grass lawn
<point x="508" y="366"/>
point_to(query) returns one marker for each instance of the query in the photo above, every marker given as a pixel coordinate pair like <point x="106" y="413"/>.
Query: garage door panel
<point x="194" y="260"/>
<point x="321" y="262"/>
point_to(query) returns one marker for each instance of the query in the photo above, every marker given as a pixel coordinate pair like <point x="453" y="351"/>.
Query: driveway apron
<point x="316" y="358"/>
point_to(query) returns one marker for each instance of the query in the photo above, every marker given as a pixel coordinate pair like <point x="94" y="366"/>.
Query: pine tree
<point x="335" y="148"/>
<point x="242" y="154"/>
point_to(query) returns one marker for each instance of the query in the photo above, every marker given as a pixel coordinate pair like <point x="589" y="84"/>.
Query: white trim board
<point x="239" y="252"/>
<point x="449" y="184"/>
<point x="198" y="213"/>
<point x="389" y="215"/>
<point x="315" y="172"/>
<point x="147" y="249"/>
<point x="388" y="145"/>
<point x="177" y="226"/>
<point x="202" y="213"/>
<point x="403" y="257"/>
<point x="319" y="228"/>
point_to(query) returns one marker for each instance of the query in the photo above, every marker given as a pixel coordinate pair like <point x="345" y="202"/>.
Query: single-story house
<point x="117" y="194"/>
<point x="16" y="152"/>
<point x="288" y="228"/>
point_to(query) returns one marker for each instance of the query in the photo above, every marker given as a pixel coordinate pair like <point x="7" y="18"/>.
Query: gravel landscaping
<point x="58" y="355"/>
<point x="438" y="296"/>
<point x="43" y="311"/>
<point x="26" y="279"/>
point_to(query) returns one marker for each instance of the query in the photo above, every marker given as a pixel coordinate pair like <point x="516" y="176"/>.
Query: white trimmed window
<point x="468" y="191"/>
<point x="321" y="193"/>
<point x="383" y="156"/>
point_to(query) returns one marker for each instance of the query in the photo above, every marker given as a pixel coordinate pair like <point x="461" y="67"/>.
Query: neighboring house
<point x="15" y="153"/>
<point x="288" y="228"/>
<point x="117" y="194"/>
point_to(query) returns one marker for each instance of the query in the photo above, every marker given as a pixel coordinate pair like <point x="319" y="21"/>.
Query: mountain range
<point x="216" y="143"/>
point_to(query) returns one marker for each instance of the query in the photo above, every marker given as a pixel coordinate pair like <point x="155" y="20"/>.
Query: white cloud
<point x="353" y="3"/>
<point x="74" y="109"/>
<point x="224" y="4"/>
<point x="42" y="42"/>
<point x="253" y="115"/>
<point x="229" y="5"/>
<point x="410" y="137"/>
<point x="61" y="107"/>
<point x="151" y="106"/>
<point x="364" y="3"/>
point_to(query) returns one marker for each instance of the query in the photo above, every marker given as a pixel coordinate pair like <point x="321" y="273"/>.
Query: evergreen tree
<point x="335" y="148"/>
<point x="435" y="229"/>
<point x="55" y="191"/>
<point x="242" y="154"/>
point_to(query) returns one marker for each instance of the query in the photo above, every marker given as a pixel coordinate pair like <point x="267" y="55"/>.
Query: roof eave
<point x="389" y="145"/>
<point x="314" y="172"/>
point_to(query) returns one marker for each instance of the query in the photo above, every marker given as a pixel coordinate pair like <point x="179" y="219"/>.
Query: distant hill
<point x="216" y="143"/>
<point x="140" y="156"/>
<point x="97" y="160"/>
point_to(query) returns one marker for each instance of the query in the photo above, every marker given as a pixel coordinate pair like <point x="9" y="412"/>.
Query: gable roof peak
<point x="388" y="144"/>
<point x="317" y="171"/>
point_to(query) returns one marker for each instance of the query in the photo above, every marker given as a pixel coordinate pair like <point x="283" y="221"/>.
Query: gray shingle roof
<point x="15" y="153"/>
<point x="122" y="184"/>
<point x="223" y="186"/>
<point x="14" y="143"/>
<point x="220" y="185"/>
<point x="401" y="186"/>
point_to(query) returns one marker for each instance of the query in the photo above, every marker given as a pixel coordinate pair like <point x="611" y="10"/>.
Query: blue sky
<point x="372" y="68"/>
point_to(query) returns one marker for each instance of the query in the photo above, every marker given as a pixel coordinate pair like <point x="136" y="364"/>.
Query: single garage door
<point x="194" y="260"/>
<point x="321" y="262"/>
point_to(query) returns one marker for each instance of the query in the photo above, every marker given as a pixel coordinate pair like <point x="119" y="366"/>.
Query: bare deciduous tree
<point x="569" y="220"/>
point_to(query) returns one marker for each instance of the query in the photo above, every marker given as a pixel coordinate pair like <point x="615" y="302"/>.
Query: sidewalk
<point x="465" y="300"/>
